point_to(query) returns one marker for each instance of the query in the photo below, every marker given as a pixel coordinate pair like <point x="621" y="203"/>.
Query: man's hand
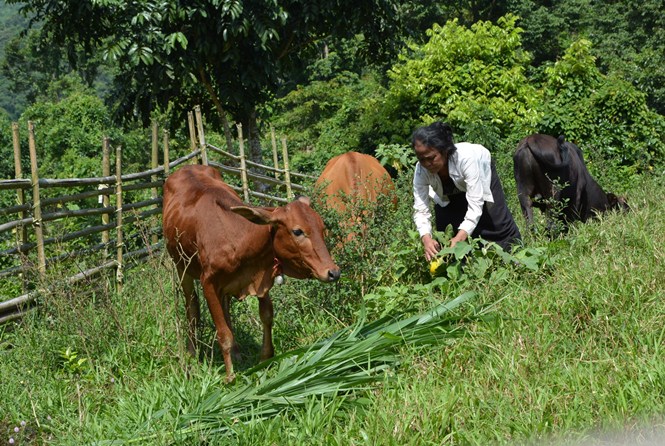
<point x="431" y="246"/>
<point x="459" y="237"/>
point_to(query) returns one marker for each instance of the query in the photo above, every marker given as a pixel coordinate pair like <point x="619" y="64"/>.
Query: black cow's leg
<point x="527" y="207"/>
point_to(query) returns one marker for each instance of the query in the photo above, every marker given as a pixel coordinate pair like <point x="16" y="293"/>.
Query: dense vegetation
<point x="333" y="82"/>
<point x="562" y="340"/>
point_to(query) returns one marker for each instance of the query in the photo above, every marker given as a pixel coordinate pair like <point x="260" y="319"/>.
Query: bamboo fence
<point x="129" y="209"/>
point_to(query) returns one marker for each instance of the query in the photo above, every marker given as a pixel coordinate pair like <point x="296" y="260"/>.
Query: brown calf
<point x="237" y="250"/>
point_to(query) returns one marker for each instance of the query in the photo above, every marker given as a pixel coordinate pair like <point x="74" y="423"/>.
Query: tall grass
<point x="569" y="352"/>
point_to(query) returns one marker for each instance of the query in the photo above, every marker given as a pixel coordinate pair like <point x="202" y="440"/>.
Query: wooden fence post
<point x="275" y="160"/>
<point x="106" y="172"/>
<point x="155" y="161"/>
<point x="118" y="216"/>
<point x="202" y="139"/>
<point x="36" y="202"/>
<point x="192" y="131"/>
<point x="243" y="164"/>
<point x="22" y="231"/>
<point x="154" y="145"/>
<point x="166" y="154"/>
<point x="287" y="175"/>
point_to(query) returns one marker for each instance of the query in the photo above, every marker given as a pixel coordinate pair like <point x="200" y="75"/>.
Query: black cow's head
<point x="615" y="202"/>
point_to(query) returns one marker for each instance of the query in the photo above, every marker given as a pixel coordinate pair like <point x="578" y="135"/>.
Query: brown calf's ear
<point x="304" y="199"/>
<point x="260" y="216"/>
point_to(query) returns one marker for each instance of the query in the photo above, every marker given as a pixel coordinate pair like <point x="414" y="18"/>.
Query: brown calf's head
<point x="297" y="239"/>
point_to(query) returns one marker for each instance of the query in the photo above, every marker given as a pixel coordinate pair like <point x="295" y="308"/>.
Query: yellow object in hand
<point x="435" y="264"/>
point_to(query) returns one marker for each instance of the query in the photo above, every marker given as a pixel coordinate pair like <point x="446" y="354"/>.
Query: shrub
<point x="473" y="78"/>
<point x="325" y="118"/>
<point x="606" y="116"/>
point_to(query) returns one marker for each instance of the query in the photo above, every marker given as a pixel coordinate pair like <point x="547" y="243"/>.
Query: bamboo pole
<point x="106" y="171"/>
<point x="37" y="206"/>
<point x="287" y="174"/>
<point x="202" y="139"/>
<point x="166" y="145"/>
<point x="243" y="164"/>
<point x="192" y="131"/>
<point x="155" y="161"/>
<point x="118" y="209"/>
<point x="275" y="159"/>
<point x="154" y="144"/>
<point x="22" y="232"/>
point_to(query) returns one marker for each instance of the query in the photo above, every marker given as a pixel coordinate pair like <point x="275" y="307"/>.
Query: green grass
<point x="568" y="352"/>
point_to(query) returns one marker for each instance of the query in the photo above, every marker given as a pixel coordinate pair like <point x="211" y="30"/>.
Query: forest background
<point x="334" y="81"/>
<point x="562" y="339"/>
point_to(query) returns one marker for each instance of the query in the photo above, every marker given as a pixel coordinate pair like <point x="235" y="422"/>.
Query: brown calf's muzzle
<point x="333" y="274"/>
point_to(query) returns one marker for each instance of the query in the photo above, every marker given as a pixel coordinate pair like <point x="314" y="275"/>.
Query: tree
<point x="30" y="66"/>
<point x="326" y="118"/>
<point x="228" y="53"/>
<point x="604" y="114"/>
<point x="472" y="77"/>
<point x="628" y="37"/>
<point x="11" y="24"/>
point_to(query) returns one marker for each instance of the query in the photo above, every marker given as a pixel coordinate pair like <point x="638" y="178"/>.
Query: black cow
<point x="550" y="172"/>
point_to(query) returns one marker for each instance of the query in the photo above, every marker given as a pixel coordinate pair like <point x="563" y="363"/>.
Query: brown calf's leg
<point x="226" y="307"/>
<point x="192" y="311"/>
<point x="224" y="333"/>
<point x="266" y="314"/>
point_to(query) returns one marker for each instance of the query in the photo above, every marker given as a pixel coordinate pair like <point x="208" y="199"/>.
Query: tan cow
<point x="355" y="179"/>
<point x="237" y="250"/>
<point x="354" y="176"/>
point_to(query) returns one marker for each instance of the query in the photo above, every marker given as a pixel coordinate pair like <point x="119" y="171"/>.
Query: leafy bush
<point x="473" y="78"/>
<point x="325" y="118"/>
<point x="69" y="129"/>
<point x="70" y="125"/>
<point x="396" y="156"/>
<point x="606" y="116"/>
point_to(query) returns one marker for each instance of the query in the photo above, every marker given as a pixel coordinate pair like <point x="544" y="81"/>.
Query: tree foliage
<point x="472" y="77"/>
<point x="476" y="79"/>
<point x="30" y="65"/>
<point x="605" y="114"/>
<point x="628" y="37"/>
<point x="11" y="24"/>
<point x="229" y="53"/>
<point x="237" y="54"/>
<point x="7" y="160"/>
<point x="328" y="117"/>
<point x="71" y="122"/>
